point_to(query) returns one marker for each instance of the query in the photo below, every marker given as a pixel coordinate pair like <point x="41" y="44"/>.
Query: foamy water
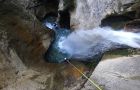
<point x="87" y="43"/>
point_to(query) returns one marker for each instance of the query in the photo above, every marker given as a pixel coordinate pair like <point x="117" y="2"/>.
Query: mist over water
<point x="88" y="43"/>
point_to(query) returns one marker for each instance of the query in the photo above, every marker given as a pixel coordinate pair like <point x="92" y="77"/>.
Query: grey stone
<point x="117" y="74"/>
<point x="89" y="13"/>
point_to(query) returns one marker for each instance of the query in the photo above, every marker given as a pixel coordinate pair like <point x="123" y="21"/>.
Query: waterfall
<point x="88" y="43"/>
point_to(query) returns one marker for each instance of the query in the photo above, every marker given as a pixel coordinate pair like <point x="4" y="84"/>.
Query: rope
<point x="91" y="81"/>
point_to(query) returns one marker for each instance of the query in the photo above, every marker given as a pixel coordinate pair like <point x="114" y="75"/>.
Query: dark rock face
<point x="136" y="7"/>
<point x="23" y="42"/>
<point x="128" y="19"/>
<point x="64" y="19"/>
<point x="46" y="7"/>
<point x="115" y="21"/>
<point x="23" y="32"/>
<point x="69" y="5"/>
<point x="133" y="26"/>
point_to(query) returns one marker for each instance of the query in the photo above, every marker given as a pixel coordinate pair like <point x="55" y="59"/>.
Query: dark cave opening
<point x="115" y="21"/>
<point x="118" y="21"/>
<point x="64" y="19"/>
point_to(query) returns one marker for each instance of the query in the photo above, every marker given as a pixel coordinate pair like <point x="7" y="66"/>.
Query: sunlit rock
<point x="116" y="74"/>
<point x="88" y="14"/>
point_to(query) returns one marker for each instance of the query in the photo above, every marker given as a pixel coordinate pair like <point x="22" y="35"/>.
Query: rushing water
<point x="54" y="54"/>
<point x="88" y="43"/>
<point x="85" y="45"/>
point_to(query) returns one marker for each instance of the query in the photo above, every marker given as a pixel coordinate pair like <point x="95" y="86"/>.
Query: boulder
<point x="117" y="74"/>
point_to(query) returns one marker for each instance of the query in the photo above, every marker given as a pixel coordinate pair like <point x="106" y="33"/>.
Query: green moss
<point x="120" y="53"/>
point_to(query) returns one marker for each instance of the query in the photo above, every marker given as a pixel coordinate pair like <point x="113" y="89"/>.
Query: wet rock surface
<point x="117" y="74"/>
<point x="133" y="26"/>
<point x="23" y="42"/>
<point x="117" y="22"/>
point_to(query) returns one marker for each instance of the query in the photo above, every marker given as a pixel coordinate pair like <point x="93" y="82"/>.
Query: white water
<point x="49" y="25"/>
<point x="87" y="43"/>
